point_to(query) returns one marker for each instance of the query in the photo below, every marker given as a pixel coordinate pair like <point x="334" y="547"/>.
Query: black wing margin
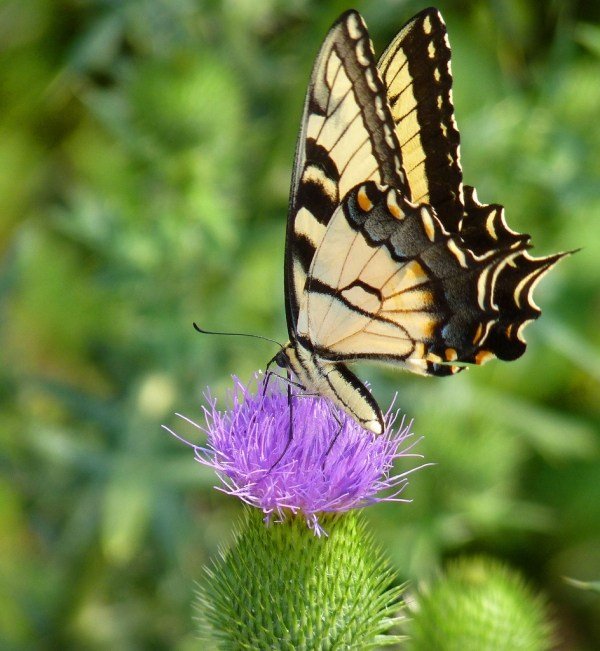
<point x="416" y="71"/>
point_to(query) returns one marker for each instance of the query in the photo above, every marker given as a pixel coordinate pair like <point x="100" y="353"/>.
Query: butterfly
<point x="389" y="257"/>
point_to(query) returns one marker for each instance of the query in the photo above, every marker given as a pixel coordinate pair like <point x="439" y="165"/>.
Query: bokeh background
<point x="145" y="156"/>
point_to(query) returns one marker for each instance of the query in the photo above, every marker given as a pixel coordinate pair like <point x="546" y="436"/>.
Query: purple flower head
<point x="330" y="464"/>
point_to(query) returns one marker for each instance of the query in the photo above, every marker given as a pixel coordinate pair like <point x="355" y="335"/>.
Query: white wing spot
<point x="360" y="54"/>
<point x="489" y="225"/>
<point x="354" y="27"/>
<point x="427" y="221"/>
<point x="486" y="331"/>
<point x="504" y="224"/>
<point x="521" y="328"/>
<point x="379" y="108"/>
<point x="481" y="288"/>
<point x="399" y="169"/>
<point x="370" y="77"/>
<point x="427" y="25"/>
<point x="521" y="286"/>
<point x="388" y="136"/>
<point x="457" y="253"/>
<point x="431" y="50"/>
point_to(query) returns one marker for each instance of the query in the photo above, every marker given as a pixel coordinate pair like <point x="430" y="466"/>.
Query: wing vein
<point x="356" y="150"/>
<point x="343" y="132"/>
<point x="414" y="167"/>
<point x="402" y="117"/>
<point x="391" y="81"/>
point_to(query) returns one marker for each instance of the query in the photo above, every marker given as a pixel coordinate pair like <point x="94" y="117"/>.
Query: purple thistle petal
<point x="247" y="448"/>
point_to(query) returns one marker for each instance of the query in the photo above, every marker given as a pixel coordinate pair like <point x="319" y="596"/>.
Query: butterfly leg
<point x="335" y="438"/>
<point x="290" y="397"/>
<point x="270" y="374"/>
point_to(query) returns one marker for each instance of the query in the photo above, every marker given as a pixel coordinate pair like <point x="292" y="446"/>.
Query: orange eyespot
<point x="451" y="354"/>
<point x="393" y="206"/>
<point x="483" y="356"/>
<point x="363" y="200"/>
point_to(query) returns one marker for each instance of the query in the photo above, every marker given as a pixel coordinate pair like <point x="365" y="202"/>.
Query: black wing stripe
<point x="305" y="251"/>
<point x="318" y="287"/>
<point x="319" y="200"/>
<point x="422" y="108"/>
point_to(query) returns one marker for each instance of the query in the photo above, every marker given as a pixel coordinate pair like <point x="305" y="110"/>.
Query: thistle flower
<point x="283" y="587"/>
<point x="324" y="463"/>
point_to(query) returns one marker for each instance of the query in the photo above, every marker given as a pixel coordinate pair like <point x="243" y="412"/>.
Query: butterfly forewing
<point x="416" y="72"/>
<point x="347" y="136"/>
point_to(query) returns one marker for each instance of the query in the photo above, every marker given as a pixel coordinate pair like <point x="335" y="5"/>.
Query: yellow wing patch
<point x="366" y="303"/>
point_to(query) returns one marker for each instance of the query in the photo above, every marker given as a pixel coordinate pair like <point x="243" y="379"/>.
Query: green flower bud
<point x="479" y="604"/>
<point x="282" y="587"/>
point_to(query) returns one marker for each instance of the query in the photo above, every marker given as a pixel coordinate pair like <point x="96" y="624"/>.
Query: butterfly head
<point x="286" y="358"/>
<point x="281" y="359"/>
<point x="289" y="358"/>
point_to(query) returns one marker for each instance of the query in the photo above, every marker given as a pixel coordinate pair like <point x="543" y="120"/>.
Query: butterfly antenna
<point x="234" y="334"/>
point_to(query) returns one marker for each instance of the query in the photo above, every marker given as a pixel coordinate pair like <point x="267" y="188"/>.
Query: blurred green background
<point x="145" y="156"/>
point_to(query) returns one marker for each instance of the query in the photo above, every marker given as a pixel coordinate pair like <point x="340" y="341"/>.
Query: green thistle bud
<point x="283" y="587"/>
<point x="479" y="605"/>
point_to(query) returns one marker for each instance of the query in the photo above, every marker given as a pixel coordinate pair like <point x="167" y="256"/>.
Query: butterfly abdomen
<point x="337" y="383"/>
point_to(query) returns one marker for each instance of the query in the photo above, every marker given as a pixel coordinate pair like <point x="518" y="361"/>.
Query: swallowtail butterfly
<point x="389" y="257"/>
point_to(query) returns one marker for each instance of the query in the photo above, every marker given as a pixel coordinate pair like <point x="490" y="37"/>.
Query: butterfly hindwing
<point x="347" y="136"/>
<point x="406" y="291"/>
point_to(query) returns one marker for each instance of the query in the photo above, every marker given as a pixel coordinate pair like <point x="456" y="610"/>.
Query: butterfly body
<point x="332" y="380"/>
<point x="389" y="258"/>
